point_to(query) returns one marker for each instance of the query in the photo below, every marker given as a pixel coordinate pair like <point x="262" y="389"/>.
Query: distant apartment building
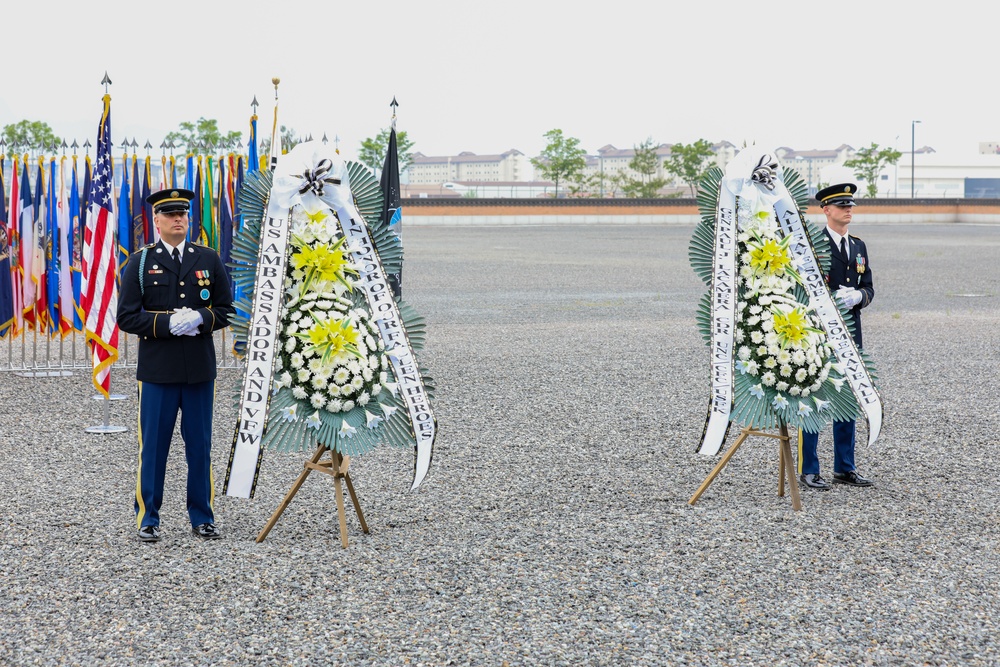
<point x="512" y="165"/>
<point x="609" y="162"/>
<point x="816" y="167"/>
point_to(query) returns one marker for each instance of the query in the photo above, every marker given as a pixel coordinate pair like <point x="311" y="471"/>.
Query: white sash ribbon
<point x="261" y="352"/>
<point x="821" y="301"/>
<point x="723" y="322"/>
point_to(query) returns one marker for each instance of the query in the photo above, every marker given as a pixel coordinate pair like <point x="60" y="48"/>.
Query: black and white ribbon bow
<point x="766" y="171"/>
<point x="315" y="178"/>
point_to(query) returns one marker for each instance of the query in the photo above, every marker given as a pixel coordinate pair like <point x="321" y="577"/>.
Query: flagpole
<point x="100" y="261"/>
<point x="275" y="133"/>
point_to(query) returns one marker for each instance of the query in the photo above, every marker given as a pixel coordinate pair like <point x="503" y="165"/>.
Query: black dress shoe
<point x="852" y="478"/>
<point x="149" y="534"/>
<point x="814" y="482"/>
<point x="207" y="531"/>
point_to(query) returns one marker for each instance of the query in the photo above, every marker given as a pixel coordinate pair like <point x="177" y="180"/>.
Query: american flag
<point x="99" y="292"/>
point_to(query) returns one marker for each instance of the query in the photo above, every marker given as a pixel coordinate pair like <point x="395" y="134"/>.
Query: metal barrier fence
<point x="40" y="355"/>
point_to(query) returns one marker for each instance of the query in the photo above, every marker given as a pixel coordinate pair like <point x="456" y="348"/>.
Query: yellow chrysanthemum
<point x="792" y="327"/>
<point x="323" y="262"/>
<point x="770" y="257"/>
<point x="332" y="338"/>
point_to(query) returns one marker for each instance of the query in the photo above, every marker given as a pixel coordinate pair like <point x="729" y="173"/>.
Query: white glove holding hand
<point x="849" y="296"/>
<point x="194" y="320"/>
<point x="178" y="321"/>
<point x="185" y="322"/>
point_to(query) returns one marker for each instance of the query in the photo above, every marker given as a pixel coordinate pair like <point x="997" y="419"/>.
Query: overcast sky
<point x="486" y="77"/>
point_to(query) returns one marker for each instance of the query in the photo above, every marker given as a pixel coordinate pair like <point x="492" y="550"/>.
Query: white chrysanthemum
<point x="753" y="367"/>
<point x="756" y="337"/>
<point x="761" y="350"/>
<point x="385" y="361"/>
<point x="358" y="382"/>
<point x="383" y="377"/>
<point x="781" y="386"/>
<point x="773" y="349"/>
<point x="332" y="389"/>
<point x="348" y="406"/>
<point x="354" y="367"/>
<point x="296" y="360"/>
<point x="800" y="375"/>
<point x="743" y="353"/>
<point x="295" y="315"/>
<point x="306" y="323"/>
<point x="334" y="405"/>
<point x="770" y="362"/>
<point x="367" y="374"/>
<point x="303" y="375"/>
<point x="768" y="379"/>
<point x="767" y="324"/>
<point x="812" y="369"/>
<point x="317" y="400"/>
<point x="299" y="393"/>
<point x="324" y="304"/>
<point x="755" y="309"/>
<point x="286" y="378"/>
<point x="783" y="357"/>
<point x="319" y="382"/>
<point x="806" y="392"/>
<point x="341" y="375"/>
<point x="752" y="321"/>
<point x="799" y="357"/>
<point x="292" y="329"/>
<point x="785" y="371"/>
<point x="764" y="300"/>
<point x="290" y="344"/>
<point x="364" y="398"/>
<point x="740" y="336"/>
<point x="373" y="362"/>
<point x="794" y="390"/>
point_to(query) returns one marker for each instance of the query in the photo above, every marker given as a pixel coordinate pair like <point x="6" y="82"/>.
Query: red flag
<point x="99" y="292"/>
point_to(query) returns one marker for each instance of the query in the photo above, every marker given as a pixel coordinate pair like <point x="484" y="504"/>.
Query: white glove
<point x="850" y="296"/>
<point x="178" y="321"/>
<point x="194" y="321"/>
<point x="185" y="322"/>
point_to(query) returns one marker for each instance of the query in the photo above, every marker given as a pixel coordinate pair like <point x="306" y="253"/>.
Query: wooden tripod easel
<point x="785" y="465"/>
<point x="337" y="467"/>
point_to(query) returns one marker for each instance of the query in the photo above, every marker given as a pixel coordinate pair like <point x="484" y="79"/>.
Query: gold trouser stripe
<point x="138" y="475"/>
<point x="798" y="463"/>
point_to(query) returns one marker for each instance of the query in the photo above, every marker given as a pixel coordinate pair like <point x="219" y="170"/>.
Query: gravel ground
<point x="554" y="527"/>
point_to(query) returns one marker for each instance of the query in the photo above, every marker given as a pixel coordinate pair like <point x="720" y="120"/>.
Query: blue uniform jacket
<point x="202" y="285"/>
<point x="854" y="272"/>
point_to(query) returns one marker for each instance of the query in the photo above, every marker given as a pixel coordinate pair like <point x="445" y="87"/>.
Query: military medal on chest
<point x="202" y="277"/>
<point x="860" y="263"/>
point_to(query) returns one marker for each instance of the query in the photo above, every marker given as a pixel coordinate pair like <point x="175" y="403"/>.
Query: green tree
<point x="689" y="162"/>
<point x="868" y="164"/>
<point x="29" y="135"/>
<point x="562" y="159"/>
<point x="198" y="136"/>
<point x="644" y="163"/>
<point x="289" y="140"/>
<point x="373" y="150"/>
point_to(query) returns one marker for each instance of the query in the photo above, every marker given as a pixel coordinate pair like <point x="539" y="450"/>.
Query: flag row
<point x="43" y="215"/>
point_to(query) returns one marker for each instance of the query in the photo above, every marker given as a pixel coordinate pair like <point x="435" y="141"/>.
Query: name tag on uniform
<point x="154" y="271"/>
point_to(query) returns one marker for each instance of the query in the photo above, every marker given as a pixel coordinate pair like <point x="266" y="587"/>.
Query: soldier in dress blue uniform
<point x="850" y="279"/>
<point x="174" y="294"/>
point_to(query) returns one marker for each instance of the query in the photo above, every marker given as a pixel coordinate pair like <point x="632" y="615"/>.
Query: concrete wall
<point x="672" y="211"/>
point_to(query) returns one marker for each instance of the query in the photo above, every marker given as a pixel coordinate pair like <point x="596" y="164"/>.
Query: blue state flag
<point x="124" y="220"/>
<point x="6" y="285"/>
